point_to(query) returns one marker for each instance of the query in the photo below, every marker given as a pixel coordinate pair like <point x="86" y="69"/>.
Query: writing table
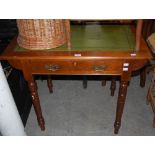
<point x="96" y="50"/>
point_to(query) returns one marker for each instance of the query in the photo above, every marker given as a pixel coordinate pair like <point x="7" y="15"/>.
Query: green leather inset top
<point x="97" y="38"/>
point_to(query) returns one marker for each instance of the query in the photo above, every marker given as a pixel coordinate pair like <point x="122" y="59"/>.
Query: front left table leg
<point x="36" y="104"/>
<point x="120" y="105"/>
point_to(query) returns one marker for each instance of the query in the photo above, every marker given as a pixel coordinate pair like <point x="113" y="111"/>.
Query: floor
<point x="74" y="111"/>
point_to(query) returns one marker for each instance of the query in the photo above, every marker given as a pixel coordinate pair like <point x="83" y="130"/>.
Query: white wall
<point x="10" y="121"/>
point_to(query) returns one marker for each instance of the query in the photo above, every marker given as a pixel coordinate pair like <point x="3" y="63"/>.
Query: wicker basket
<point x="43" y="33"/>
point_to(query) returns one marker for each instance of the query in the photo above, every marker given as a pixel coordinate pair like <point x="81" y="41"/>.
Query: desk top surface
<point x="102" y="41"/>
<point x="96" y="37"/>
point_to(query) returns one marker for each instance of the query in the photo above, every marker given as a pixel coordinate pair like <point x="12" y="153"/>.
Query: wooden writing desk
<point x="96" y="50"/>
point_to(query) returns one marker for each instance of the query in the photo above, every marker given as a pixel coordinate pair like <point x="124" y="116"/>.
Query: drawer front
<point x="50" y="67"/>
<point x="79" y="67"/>
<point x="98" y="67"/>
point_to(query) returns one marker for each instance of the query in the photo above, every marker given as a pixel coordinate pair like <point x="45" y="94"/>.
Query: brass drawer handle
<point x="99" y="68"/>
<point x="52" y="68"/>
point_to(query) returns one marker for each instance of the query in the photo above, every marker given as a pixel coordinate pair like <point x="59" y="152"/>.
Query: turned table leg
<point x="50" y="84"/>
<point x="84" y="82"/>
<point x="36" y="104"/>
<point x="120" y="105"/>
<point x="113" y="87"/>
<point x="143" y="77"/>
<point x="103" y="83"/>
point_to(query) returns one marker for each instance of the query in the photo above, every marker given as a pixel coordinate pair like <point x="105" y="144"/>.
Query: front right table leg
<point x="120" y="105"/>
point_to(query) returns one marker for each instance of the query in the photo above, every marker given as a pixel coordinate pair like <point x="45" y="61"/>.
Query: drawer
<point x="76" y="67"/>
<point x="97" y="67"/>
<point x="50" y="67"/>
